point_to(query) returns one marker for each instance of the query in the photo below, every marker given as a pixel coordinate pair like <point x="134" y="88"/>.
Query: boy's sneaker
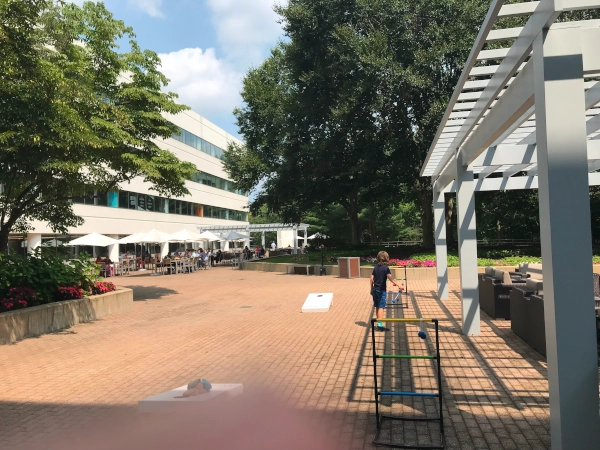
<point x="381" y="329"/>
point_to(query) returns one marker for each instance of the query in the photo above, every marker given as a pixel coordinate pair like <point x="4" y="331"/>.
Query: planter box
<point x="349" y="267"/>
<point x="38" y="320"/>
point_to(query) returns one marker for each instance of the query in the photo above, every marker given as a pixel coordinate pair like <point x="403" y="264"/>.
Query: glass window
<point x="150" y="204"/>
<point x="197" y="210"/>
<point x="101" y="198"/>
<point x="132" y="200"/>
<point x="141" y="202"/>
<point x="113" y="199"/>
<point x="123" y="199"/>
<point x="172" y="206"/>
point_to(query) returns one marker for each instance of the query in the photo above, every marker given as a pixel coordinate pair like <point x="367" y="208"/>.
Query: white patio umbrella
<point x="154" y="237"/>
<point x="209" y="236"/>
<point x="131" y="239"/>
<point x="318" y="235"/>
<point x="94" y="239"/>
<point x="187" y="236"/>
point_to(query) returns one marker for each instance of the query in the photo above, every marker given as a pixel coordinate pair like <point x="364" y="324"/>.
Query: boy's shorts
<point x="379" y="298"/>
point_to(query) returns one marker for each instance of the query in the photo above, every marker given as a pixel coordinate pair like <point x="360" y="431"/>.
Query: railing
<point x="396" y="243"/>
<point x="481" y="242"/>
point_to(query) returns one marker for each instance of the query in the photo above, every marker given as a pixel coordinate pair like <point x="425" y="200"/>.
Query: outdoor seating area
<point x="519" y="297"/>
<point x="185" y="260"/>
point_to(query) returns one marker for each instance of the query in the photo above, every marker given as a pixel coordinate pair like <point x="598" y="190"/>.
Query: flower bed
<point x="35" y="280"/>
<point x="400" y="262"/>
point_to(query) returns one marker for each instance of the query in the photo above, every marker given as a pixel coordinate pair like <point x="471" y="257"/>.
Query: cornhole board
<point x="319" y="302"/>
<point x="172" y="401"/>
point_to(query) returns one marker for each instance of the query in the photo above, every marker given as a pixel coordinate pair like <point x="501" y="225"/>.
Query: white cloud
<point x="150" y="7"/>
<point x="246" y="29"/>
<point x="208" y="85"/>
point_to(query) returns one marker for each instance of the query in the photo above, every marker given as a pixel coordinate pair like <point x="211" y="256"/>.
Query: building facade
<point x="213" y="199"/>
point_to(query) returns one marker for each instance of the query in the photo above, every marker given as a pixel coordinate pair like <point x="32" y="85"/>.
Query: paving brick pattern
<point x="234" y="326"/>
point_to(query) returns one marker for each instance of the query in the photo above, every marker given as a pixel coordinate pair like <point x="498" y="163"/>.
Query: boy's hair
<point x="383" y="258"/>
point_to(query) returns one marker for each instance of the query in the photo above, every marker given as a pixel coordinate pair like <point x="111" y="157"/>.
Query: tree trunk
<point x="449" y="200"/>
<point x="426" y="202"/>
<point x="4" y="232"/>
<point x="373" y="224"/>
<point x="352" y="210"/>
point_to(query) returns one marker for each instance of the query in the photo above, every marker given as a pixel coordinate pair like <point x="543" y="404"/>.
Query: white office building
<point x="213" y="199"/>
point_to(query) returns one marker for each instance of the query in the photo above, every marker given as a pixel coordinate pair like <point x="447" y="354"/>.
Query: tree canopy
<point x="77" y="114"/>
<point x="345" y="108"/>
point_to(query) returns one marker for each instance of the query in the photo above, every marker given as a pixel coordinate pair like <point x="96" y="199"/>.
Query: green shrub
<point x="45" y="274"/>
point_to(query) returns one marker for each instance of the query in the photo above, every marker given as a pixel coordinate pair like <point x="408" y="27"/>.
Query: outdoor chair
<point x="495" y="294"/>
<point x="520" y="304"/>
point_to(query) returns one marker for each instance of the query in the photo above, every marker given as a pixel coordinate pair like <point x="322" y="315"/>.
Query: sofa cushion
<point x="502" y="276"/>
<point x="489" y="271"/>
<point x="535" y="285"/>
<point x="533" y="269"/>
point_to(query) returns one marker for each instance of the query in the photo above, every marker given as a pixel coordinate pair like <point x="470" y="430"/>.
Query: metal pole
<point x="467" y="248"/>
<point x="322" y="271"/>
<point x="566" y="239"/>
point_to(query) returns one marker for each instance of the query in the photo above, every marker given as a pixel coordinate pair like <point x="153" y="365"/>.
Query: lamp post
<point x="322" y="270"/>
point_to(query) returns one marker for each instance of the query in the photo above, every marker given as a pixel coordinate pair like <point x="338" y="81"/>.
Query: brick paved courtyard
<point x="246" y="327"/>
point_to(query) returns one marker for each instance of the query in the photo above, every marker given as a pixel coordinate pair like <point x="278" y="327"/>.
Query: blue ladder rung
<point x="410" y="394"/>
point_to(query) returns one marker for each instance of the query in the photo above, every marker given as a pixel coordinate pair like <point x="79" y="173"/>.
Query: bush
<point x="18" y="297"/>
<point x="69" y="293"/>
<point x="45" y="275"/>
<point x="102" y="287"/>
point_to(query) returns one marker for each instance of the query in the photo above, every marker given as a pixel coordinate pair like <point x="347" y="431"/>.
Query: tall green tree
<point x="76" y="114"/>
<point x="345" y="109"/>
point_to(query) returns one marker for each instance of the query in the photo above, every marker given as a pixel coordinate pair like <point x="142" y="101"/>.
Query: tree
<point x="77" y="115"/>
<point x="345" y="109"/>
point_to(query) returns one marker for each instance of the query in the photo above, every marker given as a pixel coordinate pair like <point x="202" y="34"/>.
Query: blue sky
<point x="205" y="46"/>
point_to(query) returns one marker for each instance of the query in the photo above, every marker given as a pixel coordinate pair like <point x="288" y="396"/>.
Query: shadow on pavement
<point x="143" y="293"/>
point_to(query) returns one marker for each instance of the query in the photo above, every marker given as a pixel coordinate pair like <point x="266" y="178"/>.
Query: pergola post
<point x="295" y="237"/>
<point x="262" y="239"/>
<point x="566" y="239"/>
<point x="441" y="250"/>
<point x="467" y="248"/>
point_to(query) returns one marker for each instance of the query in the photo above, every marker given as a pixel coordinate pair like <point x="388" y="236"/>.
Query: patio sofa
<point x="527" y="307"/>
<point x="523" y="309"/>
<point x="494" y="293"/>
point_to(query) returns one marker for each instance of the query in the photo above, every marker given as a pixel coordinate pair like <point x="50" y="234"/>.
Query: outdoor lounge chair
<point x="533" y="331"/>
<point x="495" y="294"/>
<point x="520" y="299"/>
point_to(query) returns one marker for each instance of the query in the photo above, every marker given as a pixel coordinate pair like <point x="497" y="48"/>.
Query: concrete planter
<point x="38" y="320"/>
<point x="412" y="273"/>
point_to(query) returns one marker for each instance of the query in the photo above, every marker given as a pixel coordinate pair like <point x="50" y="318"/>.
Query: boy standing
<point x="381" y="273"/>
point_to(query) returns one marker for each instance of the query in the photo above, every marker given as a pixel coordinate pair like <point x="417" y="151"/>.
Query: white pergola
<point x="260" y="228"/>
<point x="525" y="116"/>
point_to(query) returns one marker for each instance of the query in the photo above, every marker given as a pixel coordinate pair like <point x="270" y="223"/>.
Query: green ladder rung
<point x="408" y="356"/>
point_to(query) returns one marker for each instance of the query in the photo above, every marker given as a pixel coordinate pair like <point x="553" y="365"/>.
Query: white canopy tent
<point x="531" y="121"/>
<point x="131" y="239"/>
<point x="186" y="236"/>
<point x="261" y="228"/>
<point x="94" y="239"/>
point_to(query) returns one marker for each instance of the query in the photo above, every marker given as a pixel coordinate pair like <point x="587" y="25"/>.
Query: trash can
<point x="349" y="267"/>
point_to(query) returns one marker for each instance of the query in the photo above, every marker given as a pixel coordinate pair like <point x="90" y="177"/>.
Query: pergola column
<point x="262" y="239"/>
<point x="295" y="237"/>
<point x="467" y="248"/>
<point x="441" y="250"/>
<point x="566" y="239"/>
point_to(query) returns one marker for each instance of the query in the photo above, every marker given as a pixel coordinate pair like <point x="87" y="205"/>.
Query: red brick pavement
<point x="246" y="327"/>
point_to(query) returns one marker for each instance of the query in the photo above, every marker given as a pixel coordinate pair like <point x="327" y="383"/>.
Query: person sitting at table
<point x="219" y="256"/>
<point x="202" y="258"/>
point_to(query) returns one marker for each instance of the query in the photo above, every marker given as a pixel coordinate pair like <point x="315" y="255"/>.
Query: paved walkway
<point x="246" y="327"/>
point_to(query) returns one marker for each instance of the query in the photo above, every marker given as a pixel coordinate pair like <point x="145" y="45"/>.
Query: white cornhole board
<point x="171" y="401"/>
<point x="320" y="302"/>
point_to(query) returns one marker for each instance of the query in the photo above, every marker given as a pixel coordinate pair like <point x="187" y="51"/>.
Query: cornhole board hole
<point x="319" y="302"/>
<point x="172" y="402"/>
<point x="349" y="267"/>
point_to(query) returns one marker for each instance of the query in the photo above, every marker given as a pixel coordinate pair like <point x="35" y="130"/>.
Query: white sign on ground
<point x="173" y="401"/>
<point x="320" y="302"/>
